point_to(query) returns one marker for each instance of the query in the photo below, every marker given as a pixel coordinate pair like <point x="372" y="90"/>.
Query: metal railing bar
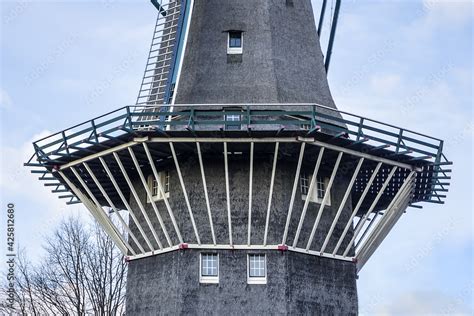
<point x="206" y="196"/>
<point x="270" y="195"/>
<point x="249" y="224"/>
<point x="183" y="187"/>
<point x="226" y="171"/>
<point x="293" y="192"/>
<point x="343" y="203"/>
<point x="137" y="199"/>
<point x="323" y="202"/>
<point x="112" y="205"/>
<point x="150" y="196"/>
<point x="126" y="204"/>
<point x="84" y="131"/>
<point x="85" y="122"/>
<point x="372" y="206"/>
<point x="162" y="192"/>
<point x="356" y="209"/>
<point x="306" y="203"/>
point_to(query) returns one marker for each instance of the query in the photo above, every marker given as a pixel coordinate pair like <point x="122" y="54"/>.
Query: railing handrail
<point x="77" y="125"/>
<point x="282" y="104"/>
<point x="52" y="149"/>
<point x="243" y="105"/>
<point x="133" y="110"/>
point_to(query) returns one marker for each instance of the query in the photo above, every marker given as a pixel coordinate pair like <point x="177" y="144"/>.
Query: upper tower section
<point x="240" y="51"/>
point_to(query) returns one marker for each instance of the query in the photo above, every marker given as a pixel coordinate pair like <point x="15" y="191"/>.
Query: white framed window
<point x="319" y="189"/>
<point x="209" y="268"/>
<point x="256" y="269"/>
<point x="234" y="42"/>
<point x="164" y="177"/>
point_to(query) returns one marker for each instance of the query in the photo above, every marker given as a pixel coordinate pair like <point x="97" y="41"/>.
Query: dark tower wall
<point x="297" y="283"/>
<point x="282" y="60"/>
<point x="281" y="63"/>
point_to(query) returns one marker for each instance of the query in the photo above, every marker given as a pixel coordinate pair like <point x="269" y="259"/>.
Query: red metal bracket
<point x="183" y="246"/>
<point x="283" y="247"/>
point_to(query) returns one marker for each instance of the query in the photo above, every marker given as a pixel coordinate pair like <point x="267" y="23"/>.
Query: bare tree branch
<point x="82" y="273"/>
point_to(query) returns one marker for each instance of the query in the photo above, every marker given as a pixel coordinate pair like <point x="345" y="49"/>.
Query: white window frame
<point x="256" y="280"/>
<point x="314" y="195"/>
<point x="165" y="184"/>
<point x="235" y="50"/>
<point x="208" y="278"/>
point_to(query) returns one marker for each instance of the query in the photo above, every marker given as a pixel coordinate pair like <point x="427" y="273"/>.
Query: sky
<point x="407" y="63"/>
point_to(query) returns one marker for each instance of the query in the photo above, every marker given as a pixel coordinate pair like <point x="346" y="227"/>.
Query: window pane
<point x="209" y="264"/>
<point x="164" y="178"/>
<point x="154" y="187"/>
<point x="304" y="183"/>
<point x="166" y="184"/>
<point x="235" y="39"/>
<point x="232" y="118"/>
<point x="257" y="266"/>
<point x="320" y="187"/>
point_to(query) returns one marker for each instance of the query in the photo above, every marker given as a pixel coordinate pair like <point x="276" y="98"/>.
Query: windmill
<point x="236" y="185"/>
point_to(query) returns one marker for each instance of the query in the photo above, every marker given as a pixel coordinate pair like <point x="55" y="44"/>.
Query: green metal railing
<point x="311" y="118"/>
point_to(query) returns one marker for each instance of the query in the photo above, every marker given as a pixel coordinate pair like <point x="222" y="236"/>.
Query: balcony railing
<point x="308" y="119"/>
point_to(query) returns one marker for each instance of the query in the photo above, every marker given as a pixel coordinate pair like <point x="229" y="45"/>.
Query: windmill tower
<point x="235" y="185"/>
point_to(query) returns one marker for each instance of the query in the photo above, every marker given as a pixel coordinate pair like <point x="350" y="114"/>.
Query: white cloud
<point x="12" y="164"/>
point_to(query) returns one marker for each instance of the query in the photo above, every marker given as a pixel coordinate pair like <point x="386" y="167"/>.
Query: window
<point x="304" y="183"/>
<point x="234" y="42"/>
<point x="235" y="39"/>
<point x="232" y="118"/>
<point x="318" y="191"/>
<point x="209" y="268"/>
<point x="320" y="188"/>
<point x="164" y="177"/>
<point x="257" y="269"/>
